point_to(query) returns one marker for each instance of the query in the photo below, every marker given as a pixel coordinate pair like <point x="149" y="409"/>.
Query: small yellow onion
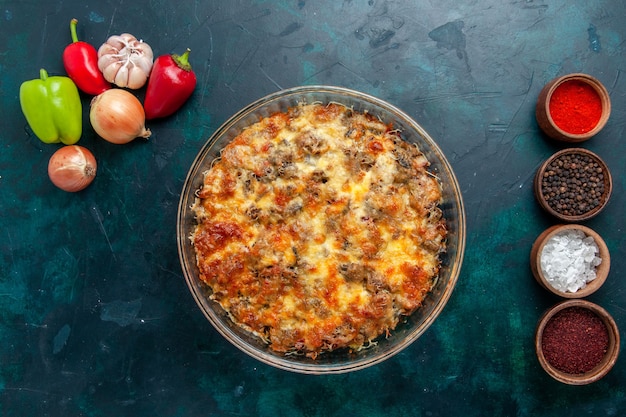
<point x="118" y="116"/>
<point x="72" y="168"/>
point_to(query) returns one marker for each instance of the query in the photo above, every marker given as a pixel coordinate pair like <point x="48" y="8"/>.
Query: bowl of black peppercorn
<point x="573" y="185"/>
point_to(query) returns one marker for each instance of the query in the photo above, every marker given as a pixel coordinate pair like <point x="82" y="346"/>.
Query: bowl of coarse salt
<point x="571" y="260"/>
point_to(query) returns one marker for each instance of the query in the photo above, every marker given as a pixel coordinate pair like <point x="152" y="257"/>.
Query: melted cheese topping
<point x="318" y="228"/>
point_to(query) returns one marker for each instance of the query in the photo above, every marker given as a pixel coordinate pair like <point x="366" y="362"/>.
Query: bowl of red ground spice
<point x="573" y="185"/>
<point x="570" y="260"/>
<point x="577" y="342"/>
<point x="573" y="108"/>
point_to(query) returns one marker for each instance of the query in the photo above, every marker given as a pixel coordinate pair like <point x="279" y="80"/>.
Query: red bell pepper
<point x="81" y="64"/>
<point x="171" y="83"/>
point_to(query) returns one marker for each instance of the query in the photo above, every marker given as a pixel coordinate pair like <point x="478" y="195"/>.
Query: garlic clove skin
<point x="121" y="75"/>
<point x="107" y="60"/>
<point x="110" y="72"/>
<point x="136" y="79"/>
<point x="127" y="38"/>
<point x="144" y="61"/>
<point x="106" y="49"/>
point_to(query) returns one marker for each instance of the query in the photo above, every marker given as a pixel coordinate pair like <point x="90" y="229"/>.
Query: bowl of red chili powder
<point x="577" y="342"/>
<point x="573" y="108"/>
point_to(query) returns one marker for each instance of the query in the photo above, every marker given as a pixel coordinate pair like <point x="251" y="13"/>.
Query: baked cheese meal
<point x="319" y="228"/>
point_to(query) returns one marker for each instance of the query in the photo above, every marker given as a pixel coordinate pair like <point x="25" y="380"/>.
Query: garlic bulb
<point x="125" y="61"/>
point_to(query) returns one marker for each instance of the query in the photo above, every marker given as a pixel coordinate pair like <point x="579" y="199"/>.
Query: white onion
<point x="118" y="116"/>
<point x="72" y="168"/>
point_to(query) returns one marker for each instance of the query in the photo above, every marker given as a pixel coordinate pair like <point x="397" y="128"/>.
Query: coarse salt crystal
<point x="569" y="260"/>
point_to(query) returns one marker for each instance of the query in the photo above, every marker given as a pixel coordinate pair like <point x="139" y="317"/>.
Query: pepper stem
<point x="43" y="74"/>
<point x="73" y="24"/>
<point x="183" y="60"/>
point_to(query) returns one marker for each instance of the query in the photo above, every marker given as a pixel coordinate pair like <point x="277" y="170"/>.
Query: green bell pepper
<point x="52" y="108"/>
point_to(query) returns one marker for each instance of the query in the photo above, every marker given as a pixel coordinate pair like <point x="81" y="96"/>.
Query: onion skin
<point x="118" y="117"/>
<point x="72" y="168"/>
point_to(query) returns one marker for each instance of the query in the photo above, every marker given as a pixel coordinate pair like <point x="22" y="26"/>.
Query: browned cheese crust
<point x="319" y="228"/>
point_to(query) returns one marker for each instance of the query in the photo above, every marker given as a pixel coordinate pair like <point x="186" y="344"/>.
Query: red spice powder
<point x="575" y="340"/>
<point x="575" y="107"/>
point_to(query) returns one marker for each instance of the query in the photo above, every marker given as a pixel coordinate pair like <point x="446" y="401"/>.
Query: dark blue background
<point x="95" y="315"/>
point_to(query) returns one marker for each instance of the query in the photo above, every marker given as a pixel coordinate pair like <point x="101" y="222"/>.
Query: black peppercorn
<point x="573" y="184"/>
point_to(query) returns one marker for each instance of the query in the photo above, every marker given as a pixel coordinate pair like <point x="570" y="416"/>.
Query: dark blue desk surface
<point x="95" y="316"/>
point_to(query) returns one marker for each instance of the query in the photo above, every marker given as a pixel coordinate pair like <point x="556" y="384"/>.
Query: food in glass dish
<point x="319" y="228"/>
